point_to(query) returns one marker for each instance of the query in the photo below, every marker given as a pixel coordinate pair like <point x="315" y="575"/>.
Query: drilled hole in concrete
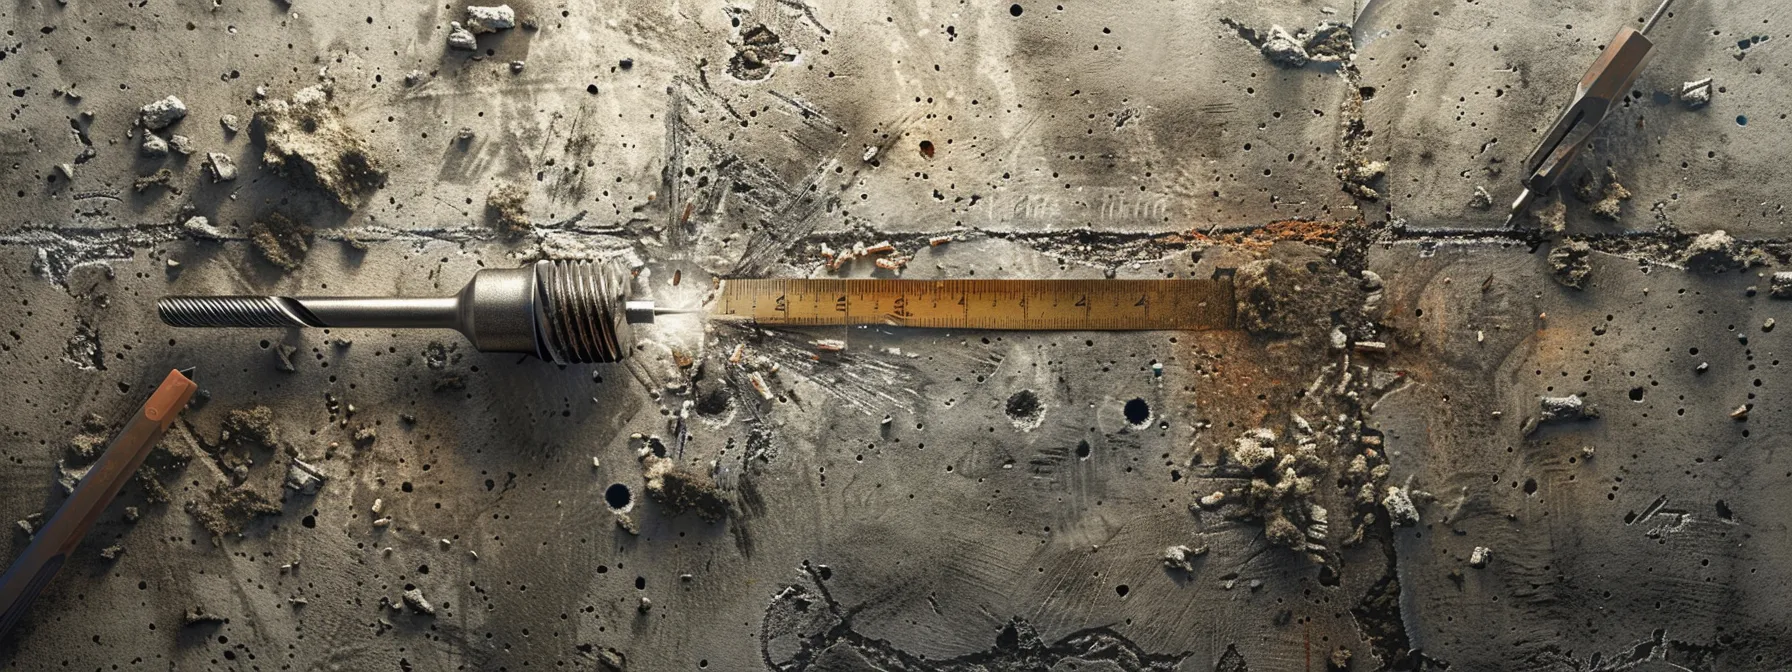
<point x="1082" y="449"/>
<point x="1122" y="589"/>
<point x="618" y="497"/>
<point x="1138" y="412"/>
<point x="1636" y="394"/>
<point x="1530" y="486"/>
<point x="1025" y="410"/>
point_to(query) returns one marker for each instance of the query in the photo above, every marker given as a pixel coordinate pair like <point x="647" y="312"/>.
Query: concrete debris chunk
<point x="303" y="477"/>
<point x="220" y="167"/>
<point x="490" y="19"/>
<point x="1563" y="409"/>
<point x="508" y="207"/>
<point x="1695" y="95"/>
<point x="308" y="137"/>
<point x="1714" y="252"/>
<point x="1282" y="48"/>
<point x="1479" y="557"/>
<point x="1611" y="203"/>
<point x="414" y="599"/>
<point x="111" y="553"/>
<point x="461" y="38"/>
<point x="1572" y="263"/>
<point x="1398" y="504"/>
<point x="29" y="524"/>
<point x="1780" y="286"/>
<point x="160" y="114"/>
<point x="160" y="177"/>
<point x="1182" y="558"/>
<point x="181" y="144"/>
<point x="70" y="476"/>
<point x="1255" y="449"/>
<point x="200" y="227"/>
<point x="230" y="123"/>
<point x="67" y="170"/>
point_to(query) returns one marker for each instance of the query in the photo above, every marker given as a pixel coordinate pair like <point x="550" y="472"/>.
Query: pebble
<point x="230" y="123"/>
<point x="516" y="66"/>
<point x="67" y="170"/>
<point x="181" y="143"/>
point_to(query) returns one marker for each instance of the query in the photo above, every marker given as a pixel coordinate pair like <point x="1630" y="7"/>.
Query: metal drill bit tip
<point x="563" y="311"/>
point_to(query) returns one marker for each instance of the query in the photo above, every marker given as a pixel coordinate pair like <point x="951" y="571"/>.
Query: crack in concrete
<point x="1018" y="647"/>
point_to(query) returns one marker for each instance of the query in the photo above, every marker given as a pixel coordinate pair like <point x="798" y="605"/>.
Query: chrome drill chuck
<point x="563" y="311"/>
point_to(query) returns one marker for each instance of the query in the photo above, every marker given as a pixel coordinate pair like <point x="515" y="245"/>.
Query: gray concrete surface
<point x="923" y="500"/>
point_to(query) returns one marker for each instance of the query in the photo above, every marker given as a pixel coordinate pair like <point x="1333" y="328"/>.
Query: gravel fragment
<point x="1182" y="558"/>
<point x="230" y="123"/>
<point x="461" y="38"/>
<point x="1697" y="94"/>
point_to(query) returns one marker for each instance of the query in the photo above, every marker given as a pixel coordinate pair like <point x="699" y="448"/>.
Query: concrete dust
<point x="280" y="241"/>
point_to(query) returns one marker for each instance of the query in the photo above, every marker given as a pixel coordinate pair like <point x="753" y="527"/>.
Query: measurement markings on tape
<point x="1047" y="305"/>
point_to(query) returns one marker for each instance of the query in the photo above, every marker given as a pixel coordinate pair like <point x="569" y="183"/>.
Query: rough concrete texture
<point x="1361" y="477"/>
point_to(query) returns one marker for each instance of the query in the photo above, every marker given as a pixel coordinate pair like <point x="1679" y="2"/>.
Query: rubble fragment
<point x="280" y="241"/>
<point x="30" y="523"/>
<point x="68" y="476"/>
<point x="413" y="598"/>
<point x="460" y="38"/>
<point x="87" y="445"/>
<point x="1552" y="217"/>
<point x="181" y="144"/>
<point x="1714" y="252"/>
<point x="153" y="146"/>
<point x="1565" y="409"/>
<point x="112" y="552"/>
<point x="1281" y="48"/>
<point x="303" y="478"/>
<point x="481" y="20"/>
<point x="1398" y="504"/>
<point x="508" y="207"/>
<point x="679" y="489"/>
<point x="1696" y="94"/>
<point x="200" y="227"/>
<point x="1572" y="263"/>
<point x="1182" y="558"/>
<point x="220" y="167"/>
<point x="230" y="123"/>
<point x="308" y="137"/>
<point x="1359" y="177"/>
<point x="1611" y="203"/>
<point x="1780" y="285"/>
<point x="162" y="113"/>
<point x="365" y="436"/>
<point x="283" y="354"/>
<point x="198" y="615"/>
<point x="1478" y="559"/>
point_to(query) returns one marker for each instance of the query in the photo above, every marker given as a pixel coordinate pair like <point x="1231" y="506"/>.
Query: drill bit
<point x="563" y="311"/>
<point x="1607" y="82"/>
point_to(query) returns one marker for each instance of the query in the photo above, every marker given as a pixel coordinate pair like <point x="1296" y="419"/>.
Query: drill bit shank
<point x="561" y="311"/>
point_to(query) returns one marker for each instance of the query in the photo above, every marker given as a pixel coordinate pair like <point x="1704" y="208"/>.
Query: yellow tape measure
<point x="1055" y="305"/>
